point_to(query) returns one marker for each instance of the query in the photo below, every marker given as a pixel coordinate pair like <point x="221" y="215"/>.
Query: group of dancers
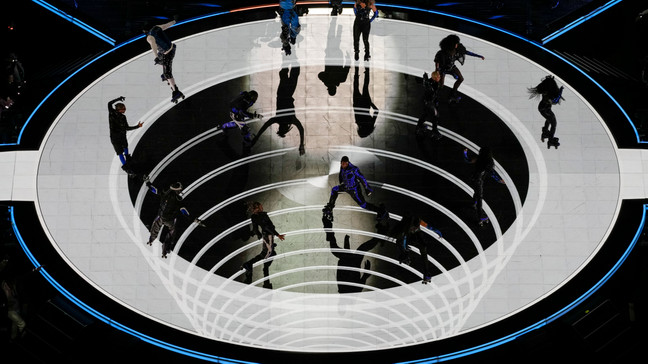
<point x="351" y="180"/>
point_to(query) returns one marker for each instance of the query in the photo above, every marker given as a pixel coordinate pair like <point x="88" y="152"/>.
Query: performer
<point x="336" y="7"/>
<point x="451" y="50"/>
<point x="362" y="25"/>
<point x="170" y="206"/>
<point x="290" y="26"/>
<point x="118" y="128"/>
<point x="550" y="94"/>
<point x="484" y="166"/>
<point x="408" y="233"/>
<point x="261" y="220"/>
<point x="164" y="51"/>
<point x="430" y="101"/>
<point x="240" y="113"/>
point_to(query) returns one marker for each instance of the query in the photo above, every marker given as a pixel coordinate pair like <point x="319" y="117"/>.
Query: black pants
<point x="167" y="63"/>
<point x="429" y="114"/>
<point x="550" y="118"/>
<point x="361" y="27"/>
<point x="267" y="251"/>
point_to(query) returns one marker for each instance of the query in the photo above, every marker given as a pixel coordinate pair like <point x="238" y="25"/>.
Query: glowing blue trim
<point x="105" y="319"/>
<point x="579" y="21"/>
<point x="382" y="5"/>
<point x="75" y="21"/>
<point x="444" y="357"/>
<point x="547" y="320"/>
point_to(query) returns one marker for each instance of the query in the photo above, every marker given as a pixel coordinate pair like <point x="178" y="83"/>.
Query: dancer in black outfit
<point x="285" y="108"/>
<point x="451" y="50"/>
<point x="408" y="233"/>
<point x="336" y="6"/>
<point x="240" y="113"/>
<point x="118" y="128"/>
<point x="261" y="220"/>
<point x="484" y="166"/>
<point x="170" y="206"/>
<point x="164" y="52"/>
<point x="430" y="112"/>
<point x="362" y="25"/>
<point x="550" y="94"/>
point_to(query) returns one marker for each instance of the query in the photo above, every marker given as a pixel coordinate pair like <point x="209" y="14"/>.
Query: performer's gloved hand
<point x="121" y="98"/>
<point x="158" y="60"/>
<point x="302" y="151"/>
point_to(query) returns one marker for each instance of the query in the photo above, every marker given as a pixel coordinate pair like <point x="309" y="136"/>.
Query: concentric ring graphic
<point x="100" y="228"/>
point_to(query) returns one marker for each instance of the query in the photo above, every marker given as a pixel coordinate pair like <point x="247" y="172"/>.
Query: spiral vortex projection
<point x="303" y="311"/>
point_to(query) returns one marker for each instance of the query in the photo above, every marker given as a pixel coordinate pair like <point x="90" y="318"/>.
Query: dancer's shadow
<point x="350" y="259"/>
<point x="364" y="109"/>
<point x="285" y="116"/>
<point x="334" y="75"/>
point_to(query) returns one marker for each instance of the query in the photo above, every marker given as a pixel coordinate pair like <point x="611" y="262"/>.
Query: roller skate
<point x="404" y="259"/>
<point x="367" y="57"/>
<point x="382" y="215"/>
<point x="454" y="99"/>
<point x="553" y="142"/>
<point x="426" y="279"/>
<point x="356" y="55"/>
<point x="286" y="49"/>
<point x="483" y="221"/>
<point x="267" y="285"/>
<point x="176" y="95"/>
<point x="327" y="212"/>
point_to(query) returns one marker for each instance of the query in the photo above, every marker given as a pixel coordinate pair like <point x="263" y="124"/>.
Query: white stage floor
<point x="82" y="196"/>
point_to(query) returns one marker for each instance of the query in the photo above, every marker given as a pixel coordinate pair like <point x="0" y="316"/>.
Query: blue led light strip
<point x="532" y="43"/>
<point x="445" y="357"/>
<point x="440" y="358"/>
<point x="101" y="317"/>
<point x="578" y="22"/>
<point x="75" y="21"/>
<point x="547" y="320"/>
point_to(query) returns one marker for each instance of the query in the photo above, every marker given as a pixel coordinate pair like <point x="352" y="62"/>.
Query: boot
<point x="327" y="211"/>
<point x="367" y="56"/>
<point x="176" y="95"/>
